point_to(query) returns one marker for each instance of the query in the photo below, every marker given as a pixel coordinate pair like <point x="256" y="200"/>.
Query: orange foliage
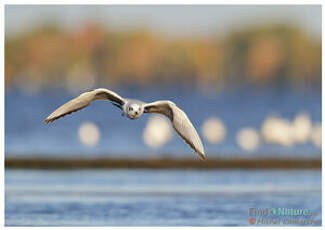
<point x="261" y="55"/>
<point x="264" y="58"/>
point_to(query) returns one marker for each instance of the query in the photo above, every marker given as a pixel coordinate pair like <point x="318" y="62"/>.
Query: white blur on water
<point x="214" y="130"/>
<point x="302" y="127"/>
<point x="248" y="139"/>
<point x="277" y="130"/>
<point x="274" y="130"/>
<point x="157" y="132"/>
<point x="316" y="135"/>
<point x="89" y="134"/>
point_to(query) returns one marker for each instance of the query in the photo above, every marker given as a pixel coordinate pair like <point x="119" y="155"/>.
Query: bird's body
<point x="133" y="109"/>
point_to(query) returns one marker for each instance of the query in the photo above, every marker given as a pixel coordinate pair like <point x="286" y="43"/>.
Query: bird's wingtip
<point x="46" y="121"/>
<point x="202" y="156"/>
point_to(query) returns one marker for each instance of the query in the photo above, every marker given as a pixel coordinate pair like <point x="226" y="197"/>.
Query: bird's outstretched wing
<point x="180" y="121"/>
<point x="84" y="100"/>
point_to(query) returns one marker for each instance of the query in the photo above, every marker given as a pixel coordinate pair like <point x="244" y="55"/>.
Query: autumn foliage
<point x="95" y="55"/>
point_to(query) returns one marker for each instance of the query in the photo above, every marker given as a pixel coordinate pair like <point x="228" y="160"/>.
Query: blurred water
<point x="155" y="197"/>
<point x="26" y="134"/>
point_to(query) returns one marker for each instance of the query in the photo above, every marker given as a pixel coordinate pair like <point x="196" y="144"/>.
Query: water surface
<point x="27" y="135"/>
<point x="154" y="197"/>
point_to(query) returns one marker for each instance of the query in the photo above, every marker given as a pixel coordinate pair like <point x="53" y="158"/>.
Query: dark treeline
<point x="163" y="163"/>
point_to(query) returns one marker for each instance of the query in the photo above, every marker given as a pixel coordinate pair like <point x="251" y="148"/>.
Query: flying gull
<point x="134" y="109"/>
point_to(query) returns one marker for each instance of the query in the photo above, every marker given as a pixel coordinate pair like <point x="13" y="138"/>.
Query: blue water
<point x="27" y="135"/>
<point x="155" y="197"/>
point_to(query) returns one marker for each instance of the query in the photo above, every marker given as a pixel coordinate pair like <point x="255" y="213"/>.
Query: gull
<point x="133" y="109"/>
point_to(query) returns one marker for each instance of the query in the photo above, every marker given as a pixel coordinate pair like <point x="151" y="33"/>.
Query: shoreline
<point x="161" y="163"/>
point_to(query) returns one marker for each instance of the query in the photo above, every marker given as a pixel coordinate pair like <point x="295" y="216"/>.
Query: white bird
<point x="134" y="109"/>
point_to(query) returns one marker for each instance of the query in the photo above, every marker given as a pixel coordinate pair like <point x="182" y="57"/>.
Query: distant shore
<point x="161" y="163"/>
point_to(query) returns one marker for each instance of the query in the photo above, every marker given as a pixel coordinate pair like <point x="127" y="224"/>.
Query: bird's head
<point x="134" y="110"/>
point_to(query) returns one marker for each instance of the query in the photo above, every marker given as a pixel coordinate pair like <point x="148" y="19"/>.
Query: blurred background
<point x="249" y="78"/>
